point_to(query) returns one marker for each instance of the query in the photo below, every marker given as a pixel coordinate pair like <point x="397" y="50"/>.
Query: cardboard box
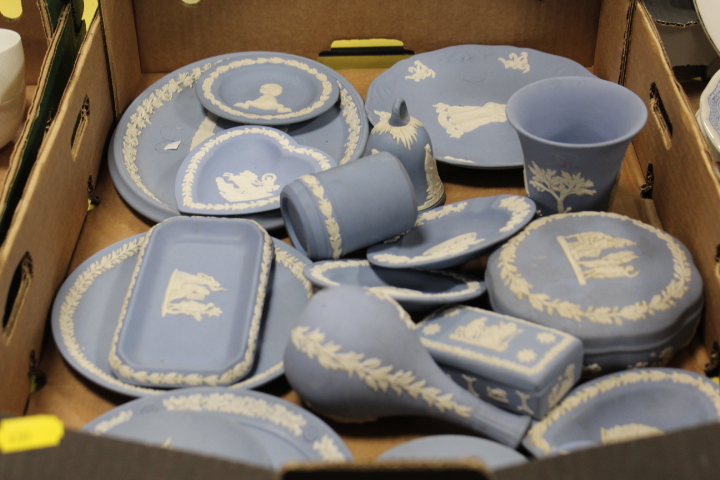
<point x="668" y="180"/>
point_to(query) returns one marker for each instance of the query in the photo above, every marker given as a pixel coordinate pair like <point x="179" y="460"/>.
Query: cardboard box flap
<point x="57" y="66"/>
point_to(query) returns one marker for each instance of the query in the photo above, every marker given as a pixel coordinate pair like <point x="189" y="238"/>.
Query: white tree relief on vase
<point x="449" y="247"/>
<point x="497" y="394"/>
<point x="493" y="337"/>
<point x="627" y="432"/>
<point x="559" y="186"/>
<point x="517" y="62"/>
<point x="371" y="371"/>
<point x="563" y="385"/>
<point x="524" y="399"/>
<point x="584" y="250"/>
<point x="435" y="187"/>
<point x="461" y="119"/>
<point x="419" y="72"/>
<point x="246" y="185"/>
<point x="267" y="99"/>
<point x="185" y="292"/>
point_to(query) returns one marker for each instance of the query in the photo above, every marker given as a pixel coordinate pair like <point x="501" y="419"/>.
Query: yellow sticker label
<point x="30" y="433"/>
<point x="369" y="42"/>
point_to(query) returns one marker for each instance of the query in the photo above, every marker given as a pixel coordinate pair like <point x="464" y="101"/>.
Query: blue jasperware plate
<point x="459" y="94"/>
<point x="87" y="306"/>
<point x="453" y="234"/>
<point x="455" y="447"/>
<point x="242" y="171"/>
<point x="626" y="406"/>
<point x="285" y="431"/>
<point x="412" y="288"/>
<point x="267" y="88"/>
<point x="166" y="121"/>
<point x="188" y="319"/>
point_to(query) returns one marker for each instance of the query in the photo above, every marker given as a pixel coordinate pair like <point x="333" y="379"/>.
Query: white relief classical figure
<point x="559" y="186"/>
<point x="493" y="337"/>
<point x="185" y="292"/>
<point x="517" y="62"/>
<point x="459" y="120"/>
<point x="420" y="72"/>
<point x="246" y="185"/>
<point x="268" y="100"/>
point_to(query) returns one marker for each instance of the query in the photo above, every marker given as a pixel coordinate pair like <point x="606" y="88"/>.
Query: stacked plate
<point x="175" y="149"/>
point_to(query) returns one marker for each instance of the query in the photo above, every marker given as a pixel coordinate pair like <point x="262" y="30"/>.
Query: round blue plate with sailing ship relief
<point x="459" y="94"/>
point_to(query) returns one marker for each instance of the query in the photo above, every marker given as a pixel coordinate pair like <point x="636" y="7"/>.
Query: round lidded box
<point x="628" y="290"/>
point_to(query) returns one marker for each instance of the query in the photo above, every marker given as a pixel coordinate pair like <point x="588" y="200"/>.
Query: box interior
<point x="145" y="39"/>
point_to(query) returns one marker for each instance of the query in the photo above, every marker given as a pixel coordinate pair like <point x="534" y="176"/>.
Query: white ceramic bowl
<point x="12" y="84"/>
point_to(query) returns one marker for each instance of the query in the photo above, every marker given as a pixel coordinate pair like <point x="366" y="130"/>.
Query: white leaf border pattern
<point x="331" y="224"/>
<point x="662" y="301"/>
<point x="371" y="371"/>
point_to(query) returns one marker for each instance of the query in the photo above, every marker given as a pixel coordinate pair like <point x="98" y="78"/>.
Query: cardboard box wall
<point x="137" y="42"/>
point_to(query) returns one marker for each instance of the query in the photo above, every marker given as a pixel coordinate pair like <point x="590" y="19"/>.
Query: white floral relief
<point x="328" y="449"/>
<point x="267" y="100"/>
<point x="379" y="377"/>
<point x="107" y="425"/>
<point x="627" y="433"/>
<point x="526" y="355"/>
<point x="496" y="337"/>
<point x="331" y="225"/>
<point x="537" y="433"/>
<point x="185" y="293"/>
<point x="545" y="337"/>
<point x="559" y="186"/>
<point x="497" y="394"/>
<point x="238" y="404"/>
<point x="517" y="62"/>
<point x="350" y="114"/>
<point x="524" y="406"/>
<point x="584" y="250"/>
<point x="452" y="246"/>
<point x="564" y="383"/>
<point x="438" y="213"/>
<point x="519" y="209"/>
<point x="295" y="266"/>
<point x="462" y="119"/>
<point x="419" y="71"/>
<point x="662" y="301"/>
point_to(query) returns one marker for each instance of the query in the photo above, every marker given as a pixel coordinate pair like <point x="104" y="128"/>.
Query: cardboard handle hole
<point x="11" y="9"/>
<point x="17" y="294"/>
<point x="80" y="127"/>
<point x="190" y="2"/>
<point x="660" y="114"/>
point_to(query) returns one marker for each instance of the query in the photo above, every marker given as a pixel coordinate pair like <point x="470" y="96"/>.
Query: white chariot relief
<point x="584" y="250"/>
<point x="559" y="186"/>
<point x="627" y="432"/>
<point x="517" y="62"/>
<point x="267" y="100"/>
<point x="459" y="120"/>
<point x="493" y="337"/>
<point x="420" y="72"/>
<point x="185" y="292"/>
<point x="246" y="186"/>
